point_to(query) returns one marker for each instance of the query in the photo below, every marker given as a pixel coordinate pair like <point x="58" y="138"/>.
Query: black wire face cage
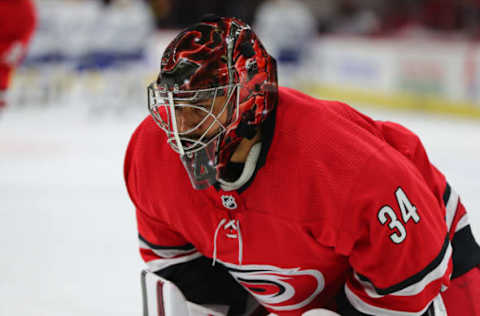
<point x="165" y="105"/>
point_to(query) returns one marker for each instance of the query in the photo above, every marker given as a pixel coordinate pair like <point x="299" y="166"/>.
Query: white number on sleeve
<point x="408" y="211"/>
<point x="394" y="223"/>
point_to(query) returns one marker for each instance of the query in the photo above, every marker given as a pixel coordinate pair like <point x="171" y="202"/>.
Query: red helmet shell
<point x="218" y="52"/>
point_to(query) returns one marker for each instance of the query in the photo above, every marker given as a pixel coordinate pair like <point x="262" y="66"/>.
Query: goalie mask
<point x="216" y="86"/>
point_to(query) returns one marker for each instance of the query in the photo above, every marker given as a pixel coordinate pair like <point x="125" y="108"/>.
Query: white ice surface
<point x="67" y="228"/>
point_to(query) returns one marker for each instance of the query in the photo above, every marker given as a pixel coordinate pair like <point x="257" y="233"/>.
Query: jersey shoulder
<point x="324" y="127"/>
<point x="392" y="200"/>
<point x="328" y="141"/>
<point x="356" y="166"/>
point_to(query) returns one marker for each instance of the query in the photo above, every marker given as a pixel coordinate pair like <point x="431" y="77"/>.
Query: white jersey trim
<point x="247" y="172"/>
<point x="166" y="253"/>
<point x="160" y="264"/>
<point x="416" y="288"/>
<point x="366" y="308"/>
<point x="462" y="223"/>
<point x="451" y="208"/>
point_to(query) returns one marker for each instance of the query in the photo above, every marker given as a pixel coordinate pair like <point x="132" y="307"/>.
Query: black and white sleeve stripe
<point x="466" y="251"/>
<point x="167" y="256"/>
<point x="416" y="283"/>
<point x="451" y="200"/>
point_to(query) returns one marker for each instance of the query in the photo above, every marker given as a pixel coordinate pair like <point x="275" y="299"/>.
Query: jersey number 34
<point x="408" y="210"/>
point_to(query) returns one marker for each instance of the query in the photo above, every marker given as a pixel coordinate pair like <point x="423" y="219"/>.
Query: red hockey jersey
<point x="340" y="203"/>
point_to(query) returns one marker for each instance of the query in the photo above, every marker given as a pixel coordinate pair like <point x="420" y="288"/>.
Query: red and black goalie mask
<point x="216" y="86"/>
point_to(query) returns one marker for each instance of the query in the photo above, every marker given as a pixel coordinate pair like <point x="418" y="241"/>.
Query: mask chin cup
<point x="201" y="167"/>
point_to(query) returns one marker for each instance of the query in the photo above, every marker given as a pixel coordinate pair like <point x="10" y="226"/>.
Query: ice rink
<point x="67" y="227"/>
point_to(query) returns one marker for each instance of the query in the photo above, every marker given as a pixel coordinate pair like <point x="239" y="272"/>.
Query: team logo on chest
<point x="229" y="202"/>
<point x="277" y="288"/>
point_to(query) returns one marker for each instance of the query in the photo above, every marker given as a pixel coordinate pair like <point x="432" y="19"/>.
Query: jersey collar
<point x="267" y="130"/>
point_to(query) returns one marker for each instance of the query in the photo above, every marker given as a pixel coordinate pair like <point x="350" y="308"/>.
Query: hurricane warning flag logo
<point x="277" y="288"/>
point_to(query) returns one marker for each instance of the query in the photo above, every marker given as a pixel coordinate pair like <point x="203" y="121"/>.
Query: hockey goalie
<point x="253" y="199"/>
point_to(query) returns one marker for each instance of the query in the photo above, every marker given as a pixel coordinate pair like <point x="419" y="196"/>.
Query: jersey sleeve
<point x="466" y="251"/>
<point x="401" y="253"/>
<point x="160" y="247"/>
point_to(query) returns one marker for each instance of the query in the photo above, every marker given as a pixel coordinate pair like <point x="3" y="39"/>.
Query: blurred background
<point x="418" y="54"/>
<point x="410" y="53"/>
<point x="75" y="91"/>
